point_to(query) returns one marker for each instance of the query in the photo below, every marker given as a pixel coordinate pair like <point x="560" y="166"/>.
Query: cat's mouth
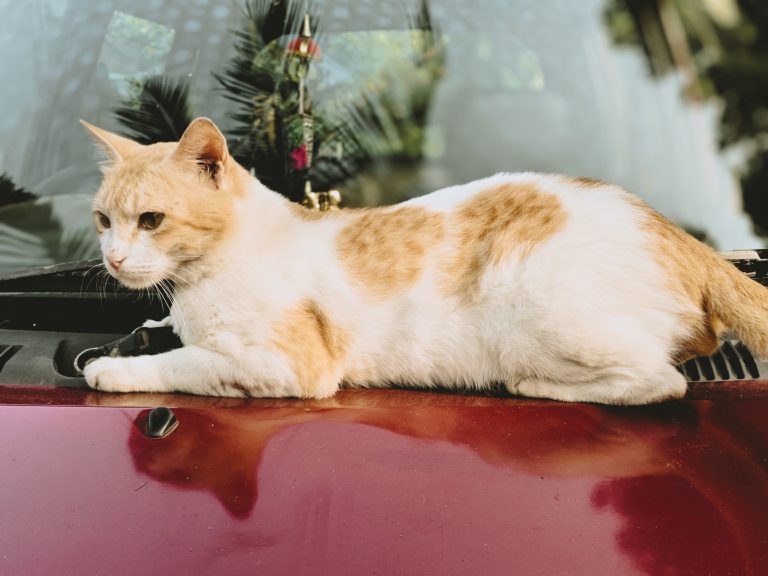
<point x="136" y="279"/>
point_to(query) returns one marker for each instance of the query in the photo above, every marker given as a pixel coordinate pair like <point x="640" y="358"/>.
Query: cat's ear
<point x="203" y="145"/>
<point x="115" y="147"/>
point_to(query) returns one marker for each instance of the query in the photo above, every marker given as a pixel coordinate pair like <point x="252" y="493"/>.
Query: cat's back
<point x="455" y="237"/>
<point x="509" y="216"/>
<point x="504" y="197"/>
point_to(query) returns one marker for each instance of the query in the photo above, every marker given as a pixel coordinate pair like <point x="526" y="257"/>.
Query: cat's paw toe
<point x="164" y="323"/>
<point x="108" y="375"/>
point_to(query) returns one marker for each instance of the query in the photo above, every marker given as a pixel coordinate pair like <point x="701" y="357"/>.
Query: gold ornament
<point x="322" y="201"/>
<point x="306" y="49"/>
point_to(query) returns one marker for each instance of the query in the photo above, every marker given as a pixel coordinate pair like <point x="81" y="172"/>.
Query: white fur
<point x="585" y="317"/>
<point x="141" y="264"/>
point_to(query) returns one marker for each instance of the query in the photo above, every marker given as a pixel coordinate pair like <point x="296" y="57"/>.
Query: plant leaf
<point x="10" y="193"/>
<point x="160" y="111"/>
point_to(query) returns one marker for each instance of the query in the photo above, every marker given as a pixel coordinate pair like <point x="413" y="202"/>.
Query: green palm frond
<point x="433" y="47"/>
<point x="159" y="112"/>
<point x="34" y="236"/>
<point x="12" y="194"/>
<point x="257" y="80"/>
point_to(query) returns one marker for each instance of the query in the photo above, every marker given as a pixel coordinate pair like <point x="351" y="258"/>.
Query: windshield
<point x="404" y="97"/>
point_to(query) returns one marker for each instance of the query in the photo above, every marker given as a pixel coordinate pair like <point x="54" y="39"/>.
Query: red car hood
<point x="381" y="482"/>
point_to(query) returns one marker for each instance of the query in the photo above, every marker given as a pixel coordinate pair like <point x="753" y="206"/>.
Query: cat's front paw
<point x="112" y="375"/>
<point x="164" y="323"/>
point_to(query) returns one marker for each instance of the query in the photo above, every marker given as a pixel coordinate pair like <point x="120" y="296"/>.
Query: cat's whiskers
<point x="163" y="291"/>
<point x="178" y="279"/>
<point x="83" y="285"/>
<point x="167" y="290"/>
<point x="159" y="290"/>
<point x="93" y="275"/>
<point x="101" y="284"/>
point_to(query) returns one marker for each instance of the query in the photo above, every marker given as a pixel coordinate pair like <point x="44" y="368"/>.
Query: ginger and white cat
<point x="560" y="288"/>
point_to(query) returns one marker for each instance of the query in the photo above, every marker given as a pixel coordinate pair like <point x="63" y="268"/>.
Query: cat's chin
<point x="136" y="285"/>
<point x="137" y="281"/>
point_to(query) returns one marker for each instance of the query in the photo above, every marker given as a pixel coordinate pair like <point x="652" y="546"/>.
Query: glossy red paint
<point x="381" y="482"/>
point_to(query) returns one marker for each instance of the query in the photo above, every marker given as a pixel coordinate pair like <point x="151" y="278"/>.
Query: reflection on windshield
<point x="134" y="48"/>
<point x="719" y="50"/>
<point x="663" y="98"/>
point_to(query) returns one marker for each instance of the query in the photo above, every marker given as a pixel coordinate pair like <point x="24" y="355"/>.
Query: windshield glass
<point x="403" y="97"/>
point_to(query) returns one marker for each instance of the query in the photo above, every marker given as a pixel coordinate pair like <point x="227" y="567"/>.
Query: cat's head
<point x="162" y="207"/>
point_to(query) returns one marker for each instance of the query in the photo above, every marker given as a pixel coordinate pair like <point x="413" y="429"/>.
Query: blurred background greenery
<point x="720" y="47"/>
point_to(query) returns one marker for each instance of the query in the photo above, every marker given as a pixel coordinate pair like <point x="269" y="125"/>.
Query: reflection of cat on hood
<point x="650" y="466"/>
<point x="220" y="450"/>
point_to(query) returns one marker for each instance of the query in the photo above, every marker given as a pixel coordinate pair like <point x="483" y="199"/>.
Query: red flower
<point x="306" y="47"/>
<point x="299" y="157"/>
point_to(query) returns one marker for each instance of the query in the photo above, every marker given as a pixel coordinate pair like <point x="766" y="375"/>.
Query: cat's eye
<point x="150" y="220"/>
<point x="103" y="220"/>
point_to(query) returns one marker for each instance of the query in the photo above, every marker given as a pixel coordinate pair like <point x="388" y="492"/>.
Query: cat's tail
<point x="739" y="302"/>
<point x="727" y="297"/>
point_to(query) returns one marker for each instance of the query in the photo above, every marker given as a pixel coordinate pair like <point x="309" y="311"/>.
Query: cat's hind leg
<point x="599" y="356"/>
<point x="618" y="386"/>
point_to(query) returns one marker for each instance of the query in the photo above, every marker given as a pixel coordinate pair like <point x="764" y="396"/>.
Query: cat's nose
<point x="115" y="261"/>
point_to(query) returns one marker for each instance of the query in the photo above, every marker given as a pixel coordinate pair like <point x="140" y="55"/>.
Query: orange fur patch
<point x="687" y="264"/>
<point x="197" y="215"/>
<point x="703" y="342"/>
<point x="386" y="249"/>
<point x="585" y="181"/>
<point x="314" y="347"/>
<point x="493" y="225"/>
